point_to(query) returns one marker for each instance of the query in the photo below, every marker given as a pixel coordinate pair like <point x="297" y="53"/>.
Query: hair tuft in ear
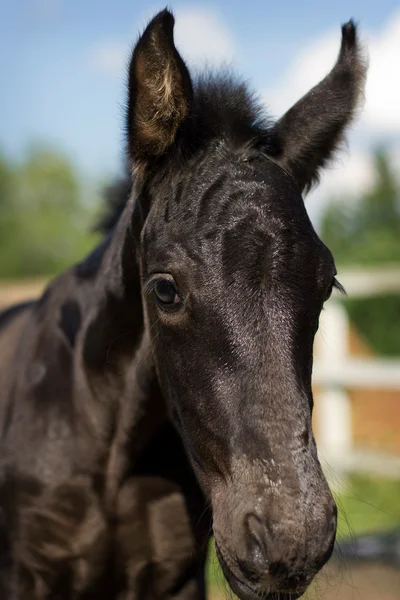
<point x="160" y="91"/>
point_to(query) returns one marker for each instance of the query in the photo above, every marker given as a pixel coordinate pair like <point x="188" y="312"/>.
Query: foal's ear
<point x="308" y="134"/>
<point x="160" y="91"/>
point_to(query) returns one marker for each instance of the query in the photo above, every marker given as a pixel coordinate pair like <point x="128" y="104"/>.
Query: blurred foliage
<point x="44" y="217"/>
<point x="378" y="320"/>
<point x="368" y="504"/>
<point x="368" y="233"/>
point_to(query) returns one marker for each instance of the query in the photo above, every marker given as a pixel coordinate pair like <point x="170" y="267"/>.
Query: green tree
<point x="367" y="232"/>
<point x="44" y="219"/>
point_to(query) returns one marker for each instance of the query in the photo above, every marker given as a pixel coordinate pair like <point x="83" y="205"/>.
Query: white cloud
<point x="199" y="35"/>
<point x="381" y="113"/>
<point x="382" y="108"/>
<point x="350" y="176"/>
<point x="306" y="70"/>
<point x="108" y="57"/>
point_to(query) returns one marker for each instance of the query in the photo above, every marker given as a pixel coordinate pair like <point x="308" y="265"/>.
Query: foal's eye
<point x="334" y="284"/>
<point x="329" y="290"/>
<point x="165" y="294"/>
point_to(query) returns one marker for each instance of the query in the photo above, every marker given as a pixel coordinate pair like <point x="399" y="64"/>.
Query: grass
<point x="368" y="504"/>
<point x="365" y="504"/>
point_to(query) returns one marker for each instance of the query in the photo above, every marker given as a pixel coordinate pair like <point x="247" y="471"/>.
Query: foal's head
<point x="234" y="278"/>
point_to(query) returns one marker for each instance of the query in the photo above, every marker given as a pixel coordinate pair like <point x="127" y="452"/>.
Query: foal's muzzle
<point x="250" y="590"/>
<point x="273" y="559"/>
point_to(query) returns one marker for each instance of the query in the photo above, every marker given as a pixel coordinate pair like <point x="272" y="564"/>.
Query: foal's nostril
<point x="264" y="554"/>
<point x="257" y="544"/>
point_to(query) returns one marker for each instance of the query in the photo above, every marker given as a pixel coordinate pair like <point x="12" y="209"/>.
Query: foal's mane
<point x="223" y="109"/>
<point x="115" y="197"/>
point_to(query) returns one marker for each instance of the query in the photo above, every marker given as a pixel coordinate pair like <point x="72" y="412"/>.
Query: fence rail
<point x="336" y="373"/>
<point x="363" y="373"/>
<point x="363" y="282"/>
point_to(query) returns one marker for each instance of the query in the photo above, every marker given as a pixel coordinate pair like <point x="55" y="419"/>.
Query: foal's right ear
<point x="307" y="136"/>
<point x="160" y="91"/>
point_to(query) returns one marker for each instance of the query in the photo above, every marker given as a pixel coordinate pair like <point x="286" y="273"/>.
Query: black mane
<point x="224" y="107"/>
<point x="115" y="195"/>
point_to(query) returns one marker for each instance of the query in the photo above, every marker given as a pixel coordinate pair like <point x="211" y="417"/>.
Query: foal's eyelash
<point x="339" y="287"/>
<point x="149" y="285"/>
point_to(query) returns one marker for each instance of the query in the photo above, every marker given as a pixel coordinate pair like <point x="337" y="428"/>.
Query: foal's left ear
<point x="160" y="91"/>
<point x="305" y="138"/>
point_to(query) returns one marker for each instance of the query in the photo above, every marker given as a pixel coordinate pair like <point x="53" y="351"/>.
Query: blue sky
<point x="62" y="73"/>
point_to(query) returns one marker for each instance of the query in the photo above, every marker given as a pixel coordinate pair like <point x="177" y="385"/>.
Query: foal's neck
<point x="114" y="352"/>
<point x="113" y="326"/>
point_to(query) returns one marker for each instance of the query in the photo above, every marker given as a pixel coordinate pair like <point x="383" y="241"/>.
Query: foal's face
<point x="234" y="279"/>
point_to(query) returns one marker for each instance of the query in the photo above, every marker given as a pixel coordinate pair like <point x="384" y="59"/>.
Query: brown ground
<point x="17" y="291"/>
<point x="370" y="582"/>
<point x="337" y="583"/>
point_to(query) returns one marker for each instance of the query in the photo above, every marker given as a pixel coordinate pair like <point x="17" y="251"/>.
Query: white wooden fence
<point x="336" y="372"/>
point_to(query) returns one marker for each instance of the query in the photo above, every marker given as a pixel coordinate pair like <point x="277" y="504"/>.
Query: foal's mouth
<point x="246" y="591"/>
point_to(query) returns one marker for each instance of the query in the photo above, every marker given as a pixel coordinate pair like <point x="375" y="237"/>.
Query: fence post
<point x="334" y="427"/>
